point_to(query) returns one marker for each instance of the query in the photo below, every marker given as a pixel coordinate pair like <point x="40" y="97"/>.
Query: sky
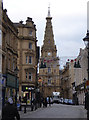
<point x="69" y="21"/>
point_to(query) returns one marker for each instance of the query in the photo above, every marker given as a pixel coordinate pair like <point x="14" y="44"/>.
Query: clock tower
<point x="49" y="62"/>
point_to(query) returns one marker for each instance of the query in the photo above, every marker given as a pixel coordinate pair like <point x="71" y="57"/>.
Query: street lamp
<point x="84" y="83"/>
<point x="16" y="72"/>
<point x="86" y="41"/>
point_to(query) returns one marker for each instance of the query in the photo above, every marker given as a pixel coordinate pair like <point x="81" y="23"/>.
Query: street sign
<point x="40" y="80"/>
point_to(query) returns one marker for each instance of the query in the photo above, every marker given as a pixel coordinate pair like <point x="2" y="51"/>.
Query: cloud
<point x="69" y="20"/>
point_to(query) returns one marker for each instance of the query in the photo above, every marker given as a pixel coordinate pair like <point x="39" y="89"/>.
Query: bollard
<point x="25" y="109"/>
<point x="20" y="108"/>
<point x="35" y="106"/>
<point x="32" y="107"/>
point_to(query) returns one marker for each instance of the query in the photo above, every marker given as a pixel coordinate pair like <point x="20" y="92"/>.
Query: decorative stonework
<point x="49" y="62"/>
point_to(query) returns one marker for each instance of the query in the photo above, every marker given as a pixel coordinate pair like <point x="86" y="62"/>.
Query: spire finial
<point x="49" y="10"/>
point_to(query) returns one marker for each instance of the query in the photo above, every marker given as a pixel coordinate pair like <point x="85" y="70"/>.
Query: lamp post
<point x="84" y="83"/>
<point x="16" y="72"/>
<point x="86" y="41"/>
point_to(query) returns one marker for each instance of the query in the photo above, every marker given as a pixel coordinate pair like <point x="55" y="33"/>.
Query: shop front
<point x="28" y="92"/>
<point x="12" y="85"/>
<point x="3" y="88"/>
<point x="81" y="93"/>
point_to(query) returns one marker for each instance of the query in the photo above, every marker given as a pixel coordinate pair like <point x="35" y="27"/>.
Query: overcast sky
<point x="69" y="21"/>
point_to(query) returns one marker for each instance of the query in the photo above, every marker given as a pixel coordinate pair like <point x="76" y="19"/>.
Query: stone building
<point x="81" y="75"/>
<point x="71" y="77"/>
<point x="65" y="84"/>
<point x="68" y="80"/>
<point x="77" y="77"/>
<point x="28" y="54"/>
<point x="49" y="62"/>
<point x="9" y="57"/>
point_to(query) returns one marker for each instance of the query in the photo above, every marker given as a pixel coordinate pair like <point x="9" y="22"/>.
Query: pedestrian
<point x="35" y="103"/>
<point x="20" y="108"/>
<point x="77" y="102"/>
<point x="9" y="111"/>
<point x="87" y="103"/>
<point x="25" y="101"/>
<point x="45" y="102"/>
<point x="49" y="101"/>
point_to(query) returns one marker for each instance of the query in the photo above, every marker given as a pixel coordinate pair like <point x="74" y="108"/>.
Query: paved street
<point x="57" y="111"/>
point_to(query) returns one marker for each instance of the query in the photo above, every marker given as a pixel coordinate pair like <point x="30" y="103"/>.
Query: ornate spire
<point x="49" y="43"/>
<point x="49" y="10"/>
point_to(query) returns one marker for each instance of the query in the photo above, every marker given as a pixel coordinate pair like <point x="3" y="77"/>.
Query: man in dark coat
<point x="45" y="102"/>
<point x="9" y="111"/>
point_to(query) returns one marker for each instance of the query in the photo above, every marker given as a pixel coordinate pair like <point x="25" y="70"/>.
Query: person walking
<point x="45" y="102"/>
<point x="9" y="111"/>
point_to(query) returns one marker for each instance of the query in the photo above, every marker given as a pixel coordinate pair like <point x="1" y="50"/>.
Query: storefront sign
<point x="11" y="81"/>
<point x="82" y="87"/>
<point x="27" y="88"/>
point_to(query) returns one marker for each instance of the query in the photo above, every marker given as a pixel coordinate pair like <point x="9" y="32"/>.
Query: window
<point x="30" y="45"/>
<point x="49" y="69"/>
<point x="26" y="76"/>
<point x="30" y="33"/>
<point x="26" y="59"/>
<point x="49" y="81"/>
<point x="30" y="59"/>
<point x="30" y="76"/>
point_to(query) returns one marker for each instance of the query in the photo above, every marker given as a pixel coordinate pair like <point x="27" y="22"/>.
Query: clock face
<point x="49" y="53"/>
